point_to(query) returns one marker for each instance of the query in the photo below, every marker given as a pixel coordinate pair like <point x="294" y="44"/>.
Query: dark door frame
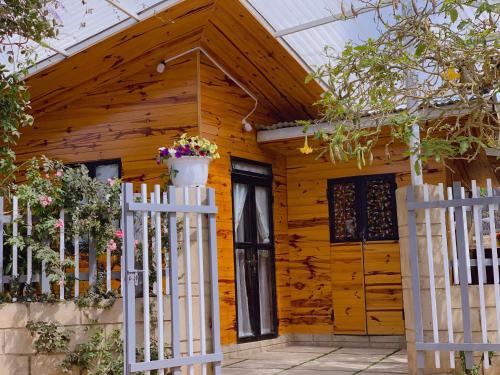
<point x="252" y="180"/>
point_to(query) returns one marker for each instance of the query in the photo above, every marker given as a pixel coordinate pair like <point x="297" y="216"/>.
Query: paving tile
<point x="264" y="364"/>
<point x="280" y="356"/>
<point x="348" y="357"/>
<point x="389" y="368"/>
<point x="304" y="349"/>
<point x="237" y="371"/>
<point x="230" y="361"/>
<point x="334" y="365"/>
<point x="298" y="371"/>
<point x="382" y="351"/>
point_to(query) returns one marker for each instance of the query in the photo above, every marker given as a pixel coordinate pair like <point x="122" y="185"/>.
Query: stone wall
<point x="440" y="293"/>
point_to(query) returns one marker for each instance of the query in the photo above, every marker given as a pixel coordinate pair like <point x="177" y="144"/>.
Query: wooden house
<point x="305" y="247"/>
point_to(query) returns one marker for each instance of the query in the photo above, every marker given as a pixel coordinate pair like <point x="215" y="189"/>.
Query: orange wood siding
<point x="364" y="291"/>
<point x="128" y="119"/>
<point x="223" y="105"/>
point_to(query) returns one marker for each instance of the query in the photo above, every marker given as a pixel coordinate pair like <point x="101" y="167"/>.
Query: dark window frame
<point x="92" y="165"/>
<point x="360" y="183"/>
<point x="251" y="248"/>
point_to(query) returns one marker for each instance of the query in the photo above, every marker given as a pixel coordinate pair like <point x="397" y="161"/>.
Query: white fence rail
<point x="458" y="268"/>
<point x="183" y="235"/>
<point x="17" y="217"/>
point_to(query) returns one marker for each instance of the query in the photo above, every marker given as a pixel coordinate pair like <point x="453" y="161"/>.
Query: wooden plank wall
<point x="223" y="105"/>
<point x="128" y="119"/>
<point x="324" y="277"/>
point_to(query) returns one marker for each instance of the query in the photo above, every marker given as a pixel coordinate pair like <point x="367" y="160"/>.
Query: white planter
<point x="188" y="171"/>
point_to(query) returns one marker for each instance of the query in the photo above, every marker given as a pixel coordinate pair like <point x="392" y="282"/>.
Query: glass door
<point x="254" y="251"/>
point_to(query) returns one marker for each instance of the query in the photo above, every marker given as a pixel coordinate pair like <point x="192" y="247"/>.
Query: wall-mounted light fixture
<point x="160" y="68"/>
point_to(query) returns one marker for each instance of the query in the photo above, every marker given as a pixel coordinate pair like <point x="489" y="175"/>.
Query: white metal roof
<point x="85" y="23"/>
<point x="308" y="26"/>
<point x="305" y="27"/>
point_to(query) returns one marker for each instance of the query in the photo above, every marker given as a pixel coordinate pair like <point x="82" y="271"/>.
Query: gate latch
<point x="134" y="275"/>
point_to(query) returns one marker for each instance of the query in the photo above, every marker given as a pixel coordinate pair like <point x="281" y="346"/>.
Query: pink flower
<point x="111" y="245"/>
<point x="111" y="181"/>
<point x="61" y="282"/>
<point x="45" y="200"/>
<point x="59" y="173"/>
<point x="59" y="223"/>
<point x="119" y="233"/>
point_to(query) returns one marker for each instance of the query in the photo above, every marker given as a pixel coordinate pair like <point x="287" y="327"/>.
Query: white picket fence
<point x="454" y="231"/>
<point x="22" y="216"/>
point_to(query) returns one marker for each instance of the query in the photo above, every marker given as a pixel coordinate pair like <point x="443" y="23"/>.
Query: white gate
<point x="455" y="273"/>
<point x="171" y="238"/>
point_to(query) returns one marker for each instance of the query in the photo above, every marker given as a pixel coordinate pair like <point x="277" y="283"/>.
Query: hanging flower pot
<point x="188" y="159"/>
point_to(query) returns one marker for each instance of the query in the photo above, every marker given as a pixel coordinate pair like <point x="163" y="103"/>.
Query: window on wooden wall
<point x="103" y="169"/>
<point x="363" y="208"/>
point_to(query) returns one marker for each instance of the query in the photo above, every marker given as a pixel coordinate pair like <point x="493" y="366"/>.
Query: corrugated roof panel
<point x="309" y="44"/>
<point x="81" y="21"/>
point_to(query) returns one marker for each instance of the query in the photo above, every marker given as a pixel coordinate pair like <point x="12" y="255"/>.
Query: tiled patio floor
<point x="307" y="360"/>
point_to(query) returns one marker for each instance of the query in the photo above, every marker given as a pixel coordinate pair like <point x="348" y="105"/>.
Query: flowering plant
<point x="188" y="146"/>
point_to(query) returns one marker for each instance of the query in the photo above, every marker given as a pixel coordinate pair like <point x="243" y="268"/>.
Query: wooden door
<point x="366" y="276"/>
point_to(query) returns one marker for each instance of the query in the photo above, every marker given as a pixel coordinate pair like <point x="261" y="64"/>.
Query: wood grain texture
<point x="225" y="28"/>
<point x="223" y="105"/>
<point x="362" y="288"/>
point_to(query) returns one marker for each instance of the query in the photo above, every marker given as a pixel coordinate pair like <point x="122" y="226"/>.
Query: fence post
<point x="174" y="279"/>
<point x="212" y="235"/>
<point x="130" y="277"/>
<point x="463" y="273"/>
<point x="415" y="277"/>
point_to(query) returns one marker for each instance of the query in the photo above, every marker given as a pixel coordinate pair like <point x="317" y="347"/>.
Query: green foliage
<point x="101" y="355"/>
<point x="427" y="61"/>
<point x="49" y="337"/>
<point x="91" y="207"/>
<point x="21" y="21"/>
<point x="476" y="368"/>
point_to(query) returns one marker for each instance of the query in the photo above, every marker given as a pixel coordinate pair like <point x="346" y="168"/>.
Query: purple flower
<point x="178" y="154"/>
<point x="164" y="152"/>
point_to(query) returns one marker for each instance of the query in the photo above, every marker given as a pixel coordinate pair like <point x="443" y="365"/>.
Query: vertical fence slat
<point x="432" y="286"/>
<point x="2" y="218"/>
<point x="15" y="215"/>
<point x="145" y="275"/>
<point x="480" y="269"/>
<point x="466" y="231"/>
<point x="29" y="250"/>
<point x="446" y="271"/>
<point x="187" y="273"/>
<point x="108" y="269"/>
<point x="61" y="252"/>
<point x="201" y="280"/>
<point x="130" y="278"/>
<point x="166" y="273"/>
<point x="92" y="262"/>
<point x="159" y="277"/>
<point x="494" y="255"/>
<point x="214" y="280"/>
<point x="174" y="279"/>
<point x="453" y="240"/>
<point x="463" y="270"/>
<point x="76" y="246"/>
